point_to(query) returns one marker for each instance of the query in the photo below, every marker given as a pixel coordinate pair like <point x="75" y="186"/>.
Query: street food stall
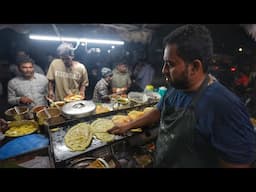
<point x="78" y="138"/>
<point x="113" y="150"/>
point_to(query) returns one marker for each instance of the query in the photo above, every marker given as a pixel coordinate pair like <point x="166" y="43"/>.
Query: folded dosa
<point x="99" y="128"/>
<point x="78" y="137"/>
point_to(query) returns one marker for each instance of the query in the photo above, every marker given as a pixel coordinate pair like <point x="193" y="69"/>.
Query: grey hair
<point x="65" y="49"/>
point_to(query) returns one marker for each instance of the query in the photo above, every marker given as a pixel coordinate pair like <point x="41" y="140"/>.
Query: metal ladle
<point x="17" y="117"/>
<point x="47" y="113"/>
<point x="17" y="110"/>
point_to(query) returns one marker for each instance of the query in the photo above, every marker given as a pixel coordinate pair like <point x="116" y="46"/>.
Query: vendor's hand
<point x="69" y="92"/>
<point x="82" y="94"/>
<point x="121" y="90"/>
<point x="119" y="130"/>
<point x="3" y="125"/>
<point x="26" y="100"/>
<point x="51" y="95"/>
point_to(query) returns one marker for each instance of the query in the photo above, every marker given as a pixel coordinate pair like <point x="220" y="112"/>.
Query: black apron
<point x="179" y="144"/>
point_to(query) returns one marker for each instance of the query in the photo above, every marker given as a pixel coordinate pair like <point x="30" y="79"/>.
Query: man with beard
<point x="202" y="123"/>
<point x="14" y="69"/>
<point x="28" y="89"/>
<point x="66" y="76"/>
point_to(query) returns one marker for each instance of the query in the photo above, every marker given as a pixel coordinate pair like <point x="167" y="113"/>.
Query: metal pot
<point x="11" y="114"/>
<point x="42" y="114"/>
<point x="37" y="108"/>
<point x="86" y="162"/>
<point x="78" y="109"/>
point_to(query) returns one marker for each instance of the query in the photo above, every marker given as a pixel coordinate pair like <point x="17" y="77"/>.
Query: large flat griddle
<point x="62" y="154"/>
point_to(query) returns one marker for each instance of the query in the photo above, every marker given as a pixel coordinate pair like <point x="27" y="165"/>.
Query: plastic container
<point x="162" y="91"/>
<point x="138" y="97"/>
<point x="149" y="88"/>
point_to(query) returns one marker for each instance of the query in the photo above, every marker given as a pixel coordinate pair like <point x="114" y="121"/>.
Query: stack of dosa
<point x="120" y="119"/>
<point x="135" y="114"/>
<point x="101" y="109"/>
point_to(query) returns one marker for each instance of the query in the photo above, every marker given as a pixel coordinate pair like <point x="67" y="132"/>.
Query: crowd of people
<point x="29" y="83"/>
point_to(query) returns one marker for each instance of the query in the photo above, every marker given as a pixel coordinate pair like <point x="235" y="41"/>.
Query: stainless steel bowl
<point x="42" y="115"/>
<point x="12" y="115"/>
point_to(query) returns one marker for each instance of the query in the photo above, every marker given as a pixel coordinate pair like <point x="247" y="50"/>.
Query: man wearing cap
<point x="65" y="75"/>
<point x="102" y="88"/>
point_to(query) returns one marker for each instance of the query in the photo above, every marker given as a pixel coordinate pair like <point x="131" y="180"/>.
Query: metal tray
<point x="61" y="153"/>
<point x="63" y="121"/>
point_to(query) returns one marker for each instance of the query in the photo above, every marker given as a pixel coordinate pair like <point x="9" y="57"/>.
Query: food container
<point x="12" y="115"/>
<point x="42" y="114"/>
<point x="162" y="91"/>
<point x="36" y="109"/>
<point x="78" y="109"/>
<point x="149" y="88"/>
<point x="138" y="97"/>
<point x="89" y="162"/>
